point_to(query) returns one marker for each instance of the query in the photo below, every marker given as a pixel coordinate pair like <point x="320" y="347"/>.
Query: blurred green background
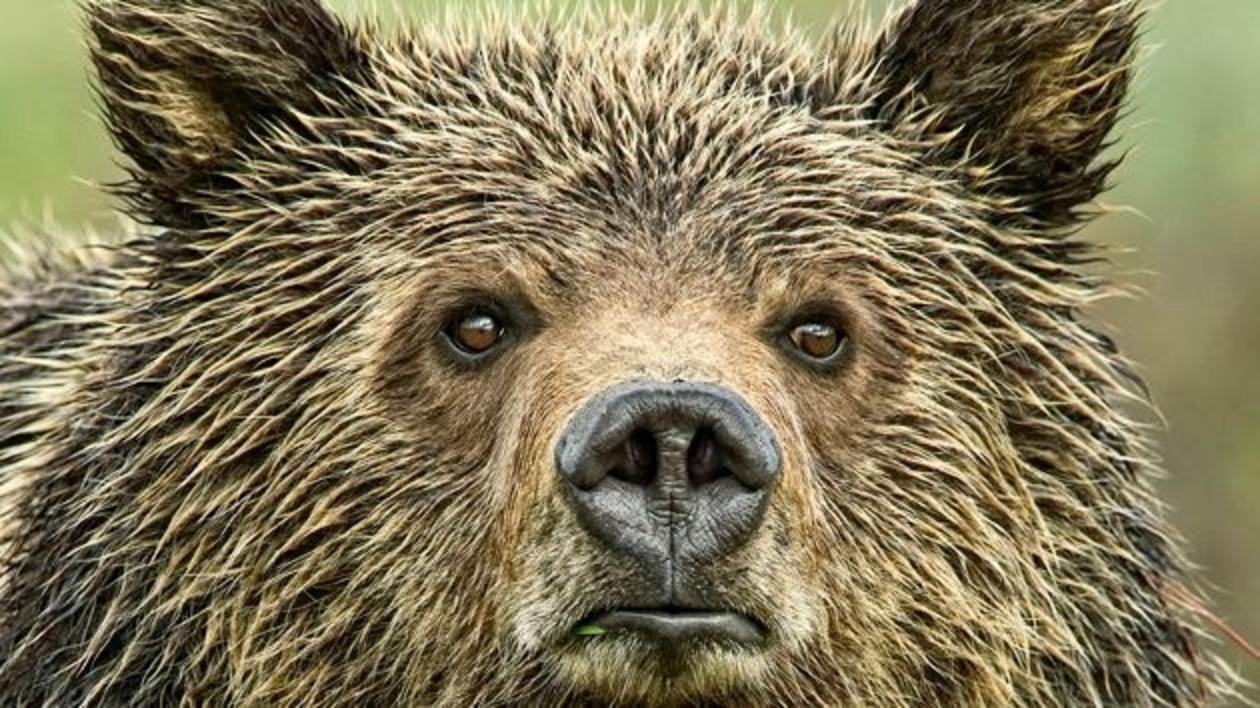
<point x="1192" y="178"/>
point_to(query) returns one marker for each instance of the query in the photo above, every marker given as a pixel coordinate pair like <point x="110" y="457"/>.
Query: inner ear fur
<point x="1018" y="95"/>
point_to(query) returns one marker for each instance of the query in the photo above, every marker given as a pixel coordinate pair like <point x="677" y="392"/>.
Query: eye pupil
<point x="478" y="332"/>
<point x="816" y="339"/>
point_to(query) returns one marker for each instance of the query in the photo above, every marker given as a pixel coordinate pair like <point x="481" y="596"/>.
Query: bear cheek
<point x="552" y="566"/>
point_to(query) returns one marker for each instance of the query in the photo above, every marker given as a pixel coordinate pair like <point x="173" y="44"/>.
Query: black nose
<point x="669" y="473"/>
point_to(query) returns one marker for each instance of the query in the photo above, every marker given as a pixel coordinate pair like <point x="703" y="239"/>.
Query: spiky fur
<point x="234" y="472"/>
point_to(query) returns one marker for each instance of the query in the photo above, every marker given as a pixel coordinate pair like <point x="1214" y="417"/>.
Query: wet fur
<point x="236" y="468"/>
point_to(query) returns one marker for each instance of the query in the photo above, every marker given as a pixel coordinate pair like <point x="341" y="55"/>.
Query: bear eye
<point x="817" y="340"/>
<point x="476" y="332"/>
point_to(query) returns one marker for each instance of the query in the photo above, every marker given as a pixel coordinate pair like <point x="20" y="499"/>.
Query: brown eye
<point x="476" y="332"/>
<point x="817" y="340"/>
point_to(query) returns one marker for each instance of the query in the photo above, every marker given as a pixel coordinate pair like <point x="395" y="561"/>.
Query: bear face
<point x="650" y="361"/>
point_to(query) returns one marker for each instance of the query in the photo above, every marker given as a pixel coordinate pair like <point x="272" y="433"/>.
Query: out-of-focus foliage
<point x="1193" y="173"/>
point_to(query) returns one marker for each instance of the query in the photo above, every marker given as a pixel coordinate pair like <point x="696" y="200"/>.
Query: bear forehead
<point x="632" y="123"/>
<point x="674" y="64"/>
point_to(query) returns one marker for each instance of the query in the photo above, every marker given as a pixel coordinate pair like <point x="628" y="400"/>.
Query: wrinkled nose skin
<point x="671" y="475"/>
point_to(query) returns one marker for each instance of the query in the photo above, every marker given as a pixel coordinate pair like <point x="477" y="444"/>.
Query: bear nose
<point x="669" y="473"/>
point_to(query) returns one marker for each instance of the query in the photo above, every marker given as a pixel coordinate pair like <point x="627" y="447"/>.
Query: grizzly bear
<point x="611" y="359"/>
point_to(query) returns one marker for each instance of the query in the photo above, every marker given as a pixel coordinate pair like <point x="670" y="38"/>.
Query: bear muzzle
<point x="670" y="476"/>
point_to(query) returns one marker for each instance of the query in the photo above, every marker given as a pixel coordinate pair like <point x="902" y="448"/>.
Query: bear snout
<point x="669" y="476"/>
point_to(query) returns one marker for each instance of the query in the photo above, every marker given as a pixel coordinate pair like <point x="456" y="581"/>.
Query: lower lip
<point x="680" y="626"/>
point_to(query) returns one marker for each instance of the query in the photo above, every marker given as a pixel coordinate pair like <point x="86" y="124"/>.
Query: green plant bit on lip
<point x="591" y="630"/>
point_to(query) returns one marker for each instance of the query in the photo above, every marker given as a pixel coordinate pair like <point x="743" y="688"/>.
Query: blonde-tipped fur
<point x="237" y="468"/>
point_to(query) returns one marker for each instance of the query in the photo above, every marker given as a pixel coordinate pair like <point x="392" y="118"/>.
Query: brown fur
<point x="237" y="468"/>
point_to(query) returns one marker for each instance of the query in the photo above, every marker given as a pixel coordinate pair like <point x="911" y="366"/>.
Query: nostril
<point x="671" y="475"/>
<point x="639" y="459"/>
<point x="703" y="462"/>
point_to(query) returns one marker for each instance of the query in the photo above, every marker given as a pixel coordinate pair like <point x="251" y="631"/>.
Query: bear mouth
<point x="676" y="626"/>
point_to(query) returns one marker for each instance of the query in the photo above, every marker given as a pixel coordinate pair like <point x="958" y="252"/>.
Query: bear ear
<point x="1017" y="95"/>
<point x="186" y="84"/>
